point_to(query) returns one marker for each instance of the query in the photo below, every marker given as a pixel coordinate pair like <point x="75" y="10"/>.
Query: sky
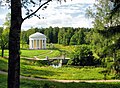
<point x="69" y="14"/>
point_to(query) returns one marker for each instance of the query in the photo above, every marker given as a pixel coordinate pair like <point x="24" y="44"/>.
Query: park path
<point x="63" y="81"/>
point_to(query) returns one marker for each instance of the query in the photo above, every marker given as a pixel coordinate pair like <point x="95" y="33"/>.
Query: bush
<point x="82" y="56"/>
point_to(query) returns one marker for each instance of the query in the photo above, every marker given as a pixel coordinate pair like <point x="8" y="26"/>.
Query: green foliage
<point x="4" y="38"/>
<point x="73" y="40"/>
<point x="1" y="30"/>
<point x="106" y="30"/>
<point x="116" y="10"/>
<point x="4" y="34"/>
<point x="7" y="21"/>
<point x="100" y="14"/>
<point x="78" y="38"/>
<point x="82" y="56"/>
<point x="6" y="53"/>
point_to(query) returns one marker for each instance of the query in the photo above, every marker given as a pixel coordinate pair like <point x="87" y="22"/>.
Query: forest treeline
<point x="64" y="35"/>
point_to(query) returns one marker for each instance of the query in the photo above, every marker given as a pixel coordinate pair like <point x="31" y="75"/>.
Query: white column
<point x="45" y="43"/>
<point x="29" y="43"/>
<point x="42" y="44"/>
<point x="39" y="44"/>
<point x="33" y="44"/>
<point x="36" y="43"/>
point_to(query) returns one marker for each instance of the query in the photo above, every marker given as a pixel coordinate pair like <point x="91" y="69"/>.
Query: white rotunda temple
<point x="37" y="41"/>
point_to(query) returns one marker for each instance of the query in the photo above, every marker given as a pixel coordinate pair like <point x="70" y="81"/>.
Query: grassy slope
<point x="70" y="73"/>
<point x="47" y="84"/>
<point x="30" y="68"/>
<point x="43" y="53"/>
<point x="38" y="53"/>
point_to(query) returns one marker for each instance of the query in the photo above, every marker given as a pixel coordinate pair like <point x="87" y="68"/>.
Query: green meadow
<point x="39" y="69"/>
<point x="31" y="68"/>
<point x="25" y="83"/>
<point x="38" y="53"/>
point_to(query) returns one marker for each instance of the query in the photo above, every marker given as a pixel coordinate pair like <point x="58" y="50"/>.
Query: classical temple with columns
<point x="37" y="41"/>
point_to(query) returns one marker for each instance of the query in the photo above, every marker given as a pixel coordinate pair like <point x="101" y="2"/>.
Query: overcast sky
<point x="69" y="14"/>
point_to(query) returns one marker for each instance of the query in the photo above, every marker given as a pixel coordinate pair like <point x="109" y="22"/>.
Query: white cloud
<point x="69" y="14"/>
<point x="64" y="15"/>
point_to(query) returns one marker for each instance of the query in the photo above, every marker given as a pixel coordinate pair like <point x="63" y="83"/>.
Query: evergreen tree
<point x="82" y="56"/>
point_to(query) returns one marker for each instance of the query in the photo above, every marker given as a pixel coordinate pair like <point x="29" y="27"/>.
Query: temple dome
<point x="37" y="35"/>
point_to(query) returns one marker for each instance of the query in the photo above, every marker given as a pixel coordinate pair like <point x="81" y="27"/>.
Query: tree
<point x="68" y="35"/>
<point x="106" y="28"/>
<point x="23" y="38"/>
<point x="78" y="38"/>
<point x="4" y="40"/>
<point x="73" y="40"/>
<point x="55" y="35"/>
<point x="116" y="8"/>
<point x="1" y="31"/>
<point x="100" y="14"/>
<point x="81" y="37"/>
<point x="7" y="21"/>
<point x="4" y="36"/>
<point x="82" y="56"/>
<point x="48" y="32"/>
<point x="60" y="36"/>
<point x="14" y="36"/>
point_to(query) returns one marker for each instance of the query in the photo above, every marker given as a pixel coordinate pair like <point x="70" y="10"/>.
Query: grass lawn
<point x="43" y="53"/>
<point x="25" y="83"/>
<point x="68" y="73"/>
<point x="33" y="69"/>
<point x="69" y="48"/>
<point x="38" y="53"/>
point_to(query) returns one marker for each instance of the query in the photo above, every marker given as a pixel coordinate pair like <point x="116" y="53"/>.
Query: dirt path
<point x="63" y="81"/>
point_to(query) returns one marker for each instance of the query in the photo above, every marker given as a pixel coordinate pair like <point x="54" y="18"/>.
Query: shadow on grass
<point x="49" y="84"/>
<point x="37" y="73"/>
<point x="3" y="64"/>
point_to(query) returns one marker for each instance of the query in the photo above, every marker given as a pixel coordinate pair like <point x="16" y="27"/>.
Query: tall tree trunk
<point x="14" y="45"/>
<point x="2" y="51"/>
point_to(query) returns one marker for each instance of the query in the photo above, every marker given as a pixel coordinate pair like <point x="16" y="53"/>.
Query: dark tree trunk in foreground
<point x="2" y="51"/>
<point x="14" y="45"/>
<point x="14" y="42"/>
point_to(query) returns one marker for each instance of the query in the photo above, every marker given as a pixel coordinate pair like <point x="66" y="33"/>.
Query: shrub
<point x="82" y="56"/>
